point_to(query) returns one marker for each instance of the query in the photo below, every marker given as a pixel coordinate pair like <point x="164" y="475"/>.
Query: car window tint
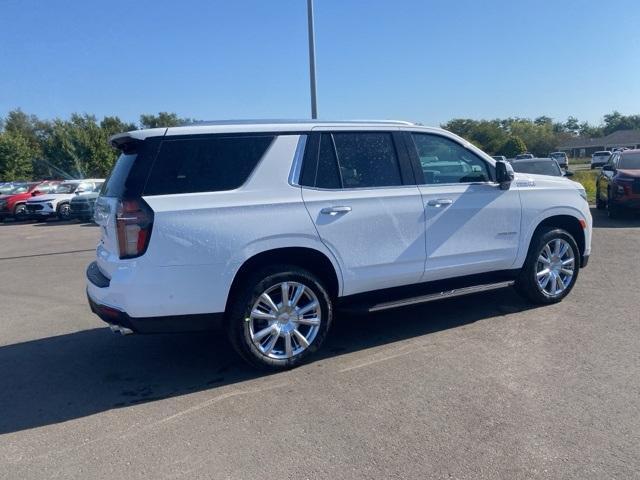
<point x="205" y="165"/>
<point x="367" y="160"/>
<point x="445" y="161"/>
<point x="327" y="175"/>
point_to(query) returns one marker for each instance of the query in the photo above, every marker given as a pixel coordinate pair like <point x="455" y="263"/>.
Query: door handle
<point x="440" y="202"/>
<point x="335" y="210"/>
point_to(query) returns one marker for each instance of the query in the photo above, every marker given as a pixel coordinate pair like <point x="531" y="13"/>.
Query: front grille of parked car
<point x="34" y="207"/>
<point x="635" y="188"/>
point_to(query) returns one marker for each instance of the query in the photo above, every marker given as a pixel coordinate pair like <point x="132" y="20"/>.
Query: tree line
<point x="539" y="136"/>
<point x="77" y="148"/>
<point x="32" y="148"/>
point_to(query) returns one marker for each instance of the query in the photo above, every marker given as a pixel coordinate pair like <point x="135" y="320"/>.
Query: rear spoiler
<point x="129" y="141"/>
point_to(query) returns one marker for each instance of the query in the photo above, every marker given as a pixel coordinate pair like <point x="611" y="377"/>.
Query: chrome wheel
<point x="285" y="320"/>
<point x="555" y="267"/>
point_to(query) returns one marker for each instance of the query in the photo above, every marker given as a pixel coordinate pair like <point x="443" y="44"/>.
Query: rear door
<point x="472" y="226"/>
<point x="360" y="192"/>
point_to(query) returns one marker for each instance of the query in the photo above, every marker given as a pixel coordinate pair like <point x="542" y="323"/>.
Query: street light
<point x="312" y="59"/>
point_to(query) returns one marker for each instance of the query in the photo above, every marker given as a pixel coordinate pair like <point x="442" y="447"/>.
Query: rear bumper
<point x="97" y="282"/>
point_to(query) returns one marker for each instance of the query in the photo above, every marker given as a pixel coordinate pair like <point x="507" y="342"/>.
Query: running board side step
<point x="458" y="292"/>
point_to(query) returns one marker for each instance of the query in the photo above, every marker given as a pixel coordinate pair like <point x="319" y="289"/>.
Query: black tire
<point x="612" y="210"/>
<point x="600" y="204"/>
<point x="20" y="212"/>
<point x="526" y="282"/>
<point x="246" y="295"/>
<point x="64" y="211"/>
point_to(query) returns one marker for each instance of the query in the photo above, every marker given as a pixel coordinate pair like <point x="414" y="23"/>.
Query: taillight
<point x="134" y="221"/>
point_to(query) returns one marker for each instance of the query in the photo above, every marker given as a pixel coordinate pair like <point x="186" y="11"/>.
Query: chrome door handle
<point x="440" y="202"/>
<point x="335" y="210"/>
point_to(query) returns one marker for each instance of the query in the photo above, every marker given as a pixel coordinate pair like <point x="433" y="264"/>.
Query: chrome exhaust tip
<point x="121" y="330"/>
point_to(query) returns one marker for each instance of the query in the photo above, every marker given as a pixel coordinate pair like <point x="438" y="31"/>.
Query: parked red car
<point x="12" y="203"/>
<point x="618" y="185"/>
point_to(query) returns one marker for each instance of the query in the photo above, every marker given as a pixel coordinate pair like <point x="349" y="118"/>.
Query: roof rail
<point x="287" y="121"/>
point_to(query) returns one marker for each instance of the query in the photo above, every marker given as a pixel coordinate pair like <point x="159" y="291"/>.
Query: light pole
<point x="312" y="59"/>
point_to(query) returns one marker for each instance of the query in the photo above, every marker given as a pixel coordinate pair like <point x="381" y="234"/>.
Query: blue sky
<point x="420" y="60"/>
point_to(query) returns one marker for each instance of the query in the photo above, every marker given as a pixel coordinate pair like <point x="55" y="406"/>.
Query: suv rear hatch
<point x="125" y="220"/>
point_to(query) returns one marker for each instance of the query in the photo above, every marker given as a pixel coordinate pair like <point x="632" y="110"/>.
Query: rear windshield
<point x="539" y="168"/>
<point x="208" y="164"/>
<point x="114" y="185"/>
<point x="630" y="161"/>
<point x="558" y="155"/>
<point x="602" y="154"/>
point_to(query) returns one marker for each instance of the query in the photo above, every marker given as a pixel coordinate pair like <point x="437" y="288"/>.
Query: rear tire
<point x="551" y="268"/>
<point x="274" y="330"/>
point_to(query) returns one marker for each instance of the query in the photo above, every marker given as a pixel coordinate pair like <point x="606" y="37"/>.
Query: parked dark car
<point x="82" y="206"/>
<point x="540" y="166"/>
<point x="618" y="185"/>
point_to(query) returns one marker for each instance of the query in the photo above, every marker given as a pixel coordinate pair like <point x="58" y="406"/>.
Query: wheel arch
<point x="567" y="222"/>
<point x="310" y="259"/>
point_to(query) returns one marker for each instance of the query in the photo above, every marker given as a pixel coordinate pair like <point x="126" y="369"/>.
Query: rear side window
<point x="367" y="160"/>
<point x="328" y="175"/>
<point x="205" y="164"/>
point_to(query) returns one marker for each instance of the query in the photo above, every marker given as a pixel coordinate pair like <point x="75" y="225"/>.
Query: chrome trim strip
<point x="441" y="295"/>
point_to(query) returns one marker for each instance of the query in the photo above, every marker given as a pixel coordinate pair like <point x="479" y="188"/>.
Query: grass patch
<point x="588" y="180"/>
<point x="579" y="161"/>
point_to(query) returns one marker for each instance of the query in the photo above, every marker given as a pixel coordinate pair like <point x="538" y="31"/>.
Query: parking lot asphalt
<point x="480" y="387"/>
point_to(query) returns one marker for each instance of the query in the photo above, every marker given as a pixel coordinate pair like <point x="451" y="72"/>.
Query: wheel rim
<point x="555" y="267"/>
<point x="64" y="211"/>
<point x="285" y="320"/>
<point x="20" y="210"/>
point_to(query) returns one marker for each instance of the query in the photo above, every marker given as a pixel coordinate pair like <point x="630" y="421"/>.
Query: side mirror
<point x="568" y="173"/>
<point x="35" y="192"/>
<point x="504" y="175"/>
<point x="608" y="168"/>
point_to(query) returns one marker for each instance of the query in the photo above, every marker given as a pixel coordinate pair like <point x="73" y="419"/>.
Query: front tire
<point x="551" y="268"/>
<point x="64" y="211"/>
<point x="20" y="212"/>
<point x="279" y="317"/>
<point x="600" y="204"/>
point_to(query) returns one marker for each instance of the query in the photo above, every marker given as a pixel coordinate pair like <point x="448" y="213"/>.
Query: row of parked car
<point x="556" y="165"/>
<point x="40" y="200"/>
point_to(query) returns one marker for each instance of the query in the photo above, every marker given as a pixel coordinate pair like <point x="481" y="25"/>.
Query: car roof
<point x="540" y="159"/>
<point x="257" y="126"/>
<point x="633" y="151"/>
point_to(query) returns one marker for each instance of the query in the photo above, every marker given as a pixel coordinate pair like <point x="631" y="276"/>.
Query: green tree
<point x="163" y="119"/>
<point x="15" y="157"/>
<point x="512" y="147"/>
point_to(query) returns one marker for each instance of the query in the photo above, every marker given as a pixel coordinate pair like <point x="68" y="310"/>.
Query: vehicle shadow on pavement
<point x="71" y="376"/>
<point x="627" y="220"/>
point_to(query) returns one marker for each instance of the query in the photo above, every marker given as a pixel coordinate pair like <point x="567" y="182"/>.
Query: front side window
<point x="205" y="164"/>
<point x="630" y="161"/>
<point x="445" y="161"/>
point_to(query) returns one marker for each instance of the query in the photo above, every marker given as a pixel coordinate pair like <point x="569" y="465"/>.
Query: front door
<point x="472" y="226"/>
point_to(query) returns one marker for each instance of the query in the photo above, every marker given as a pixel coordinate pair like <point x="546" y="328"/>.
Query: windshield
<point x="630" y="162"/>
<point x="66" y="188"/>
<point x="538" y="168"/>
<point x="14" y="189"/>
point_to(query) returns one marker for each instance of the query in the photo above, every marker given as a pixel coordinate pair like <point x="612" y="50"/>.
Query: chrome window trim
<point x="298" y="156"/>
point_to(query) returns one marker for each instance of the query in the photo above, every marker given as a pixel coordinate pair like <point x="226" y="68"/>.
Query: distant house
<point x="584" y="147"/>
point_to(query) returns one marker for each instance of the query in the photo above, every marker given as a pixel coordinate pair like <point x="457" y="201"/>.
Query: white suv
<point x="268" y="228"/>
<point x="56" y="203"/>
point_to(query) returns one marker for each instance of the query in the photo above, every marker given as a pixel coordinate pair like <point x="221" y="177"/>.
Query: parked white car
<point x="561" y="158"/>
<point x="598" y="159"/>
<point x="268" y="228"/>
<point x="56" y="203"/>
